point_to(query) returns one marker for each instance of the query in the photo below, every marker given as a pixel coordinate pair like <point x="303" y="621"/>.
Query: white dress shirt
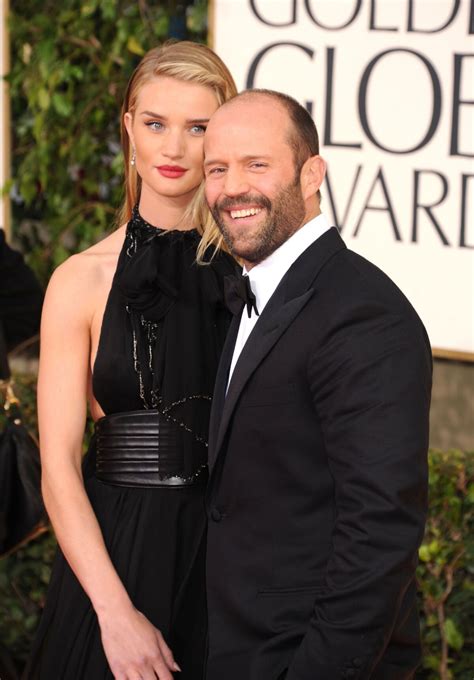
<point x="265" y="276"/>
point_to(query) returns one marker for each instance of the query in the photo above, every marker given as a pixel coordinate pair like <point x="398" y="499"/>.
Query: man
<point x="319" y="430"/>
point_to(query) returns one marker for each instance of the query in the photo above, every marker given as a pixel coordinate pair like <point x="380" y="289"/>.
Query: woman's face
<point x="167" y="133"/>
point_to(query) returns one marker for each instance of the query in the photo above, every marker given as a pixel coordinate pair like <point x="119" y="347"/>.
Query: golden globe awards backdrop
<point x="390" y="85"/>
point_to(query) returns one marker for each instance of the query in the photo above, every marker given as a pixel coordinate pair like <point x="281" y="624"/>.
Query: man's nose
<point x="235" y="183"/>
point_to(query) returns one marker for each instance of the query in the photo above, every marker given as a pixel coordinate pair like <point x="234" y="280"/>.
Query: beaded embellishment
<point x="149" y="331"/>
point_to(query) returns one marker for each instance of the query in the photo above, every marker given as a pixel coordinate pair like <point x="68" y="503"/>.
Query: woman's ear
<point x="128" y="122"/>
<point x="312" y="175"/>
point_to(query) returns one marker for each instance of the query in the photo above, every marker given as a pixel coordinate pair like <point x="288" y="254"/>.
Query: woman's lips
<point x="171" y="171"/>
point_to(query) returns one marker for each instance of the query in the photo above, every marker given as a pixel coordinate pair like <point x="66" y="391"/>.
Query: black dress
<point x="163" y="330"/>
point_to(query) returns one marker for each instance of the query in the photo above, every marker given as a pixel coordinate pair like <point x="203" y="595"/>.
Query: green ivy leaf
<point x="88" y="8"/>
<point x="62" y="104"/>
<point x="453" y="635"/>
<point x="161" y="25"/>
<point x="431" y="661"/>
<point x="134" y="46"/>
<point x="424" y="553"/>
<point x="434" y="548"/>
<point x="108" y="9"/>
<point x="31" y="622"/>
<point x="44" y="99"/>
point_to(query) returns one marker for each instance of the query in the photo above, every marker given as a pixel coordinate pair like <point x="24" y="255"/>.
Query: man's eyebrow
<point x="213" y="161"/>
<point x="255" y="157"/>
<point x="189" y="121"/>
<point x="243" y="159"/>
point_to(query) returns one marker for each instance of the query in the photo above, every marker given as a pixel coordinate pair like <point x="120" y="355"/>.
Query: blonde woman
<point x="134" y="327"/>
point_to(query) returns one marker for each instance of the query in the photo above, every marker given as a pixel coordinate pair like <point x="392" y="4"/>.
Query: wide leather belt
<point x="142" y="449"/>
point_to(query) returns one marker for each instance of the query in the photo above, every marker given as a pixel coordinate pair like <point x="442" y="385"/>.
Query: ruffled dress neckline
<point x="139" y="228"/>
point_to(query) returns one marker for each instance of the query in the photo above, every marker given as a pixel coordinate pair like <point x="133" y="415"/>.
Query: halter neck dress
<point x="162" y="333"/>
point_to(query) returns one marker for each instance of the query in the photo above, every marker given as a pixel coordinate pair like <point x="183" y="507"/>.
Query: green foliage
<point x="70" y="65"/>
<point x="446" y="569"/>
<point x="24" y="577"/>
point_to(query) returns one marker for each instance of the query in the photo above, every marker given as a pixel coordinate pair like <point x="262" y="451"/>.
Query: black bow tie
<point x="237" y="293"/>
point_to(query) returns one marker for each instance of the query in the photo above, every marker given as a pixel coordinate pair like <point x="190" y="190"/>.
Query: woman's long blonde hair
<point x="190" y="62"/>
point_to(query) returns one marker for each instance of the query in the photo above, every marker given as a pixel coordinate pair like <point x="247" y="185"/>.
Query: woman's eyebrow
<point x="152" y="114"/>
<point x="195" y="121"/>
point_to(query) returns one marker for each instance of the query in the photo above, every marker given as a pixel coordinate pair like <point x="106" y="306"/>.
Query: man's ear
<point x="312" y="175"/>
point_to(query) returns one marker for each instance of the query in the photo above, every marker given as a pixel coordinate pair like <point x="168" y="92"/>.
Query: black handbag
<point x="22" y="513"/>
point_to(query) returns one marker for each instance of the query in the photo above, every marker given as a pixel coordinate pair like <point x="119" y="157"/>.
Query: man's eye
<point x="216" y="171"/>
<point x="259" y="165"/>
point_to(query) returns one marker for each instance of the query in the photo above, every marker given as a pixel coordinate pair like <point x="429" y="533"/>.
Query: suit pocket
<point x="287" y="610"/>
<point x="297" y="590"/>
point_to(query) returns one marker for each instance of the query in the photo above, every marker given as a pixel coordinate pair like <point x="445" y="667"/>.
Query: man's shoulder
<point x="349" y="285"/>
<point x="354" y="275"/>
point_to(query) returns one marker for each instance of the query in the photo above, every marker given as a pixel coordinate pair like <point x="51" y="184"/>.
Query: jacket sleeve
<point x="21" y="296"/>
<point x="371" y="387"/>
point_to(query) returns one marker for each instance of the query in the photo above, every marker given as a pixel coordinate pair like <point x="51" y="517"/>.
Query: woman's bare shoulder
<point x="82" y="275"/>
<point x="91" y="264"/>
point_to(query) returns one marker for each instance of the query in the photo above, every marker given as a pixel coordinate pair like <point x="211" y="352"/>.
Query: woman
<point x="135" y="326"/>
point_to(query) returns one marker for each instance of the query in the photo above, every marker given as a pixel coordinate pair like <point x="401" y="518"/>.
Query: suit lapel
<point x="218" y="398"/>
<point x="291" y="295"/>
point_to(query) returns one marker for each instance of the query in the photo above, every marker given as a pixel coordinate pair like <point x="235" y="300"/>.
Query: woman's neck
<point x="164" y="211"/>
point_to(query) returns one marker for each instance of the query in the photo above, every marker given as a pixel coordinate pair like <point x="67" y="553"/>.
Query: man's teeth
<point x="244" y="213"/>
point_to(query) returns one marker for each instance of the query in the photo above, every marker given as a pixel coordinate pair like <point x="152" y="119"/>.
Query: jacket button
<point x="357" y="661"/>
<point x="216" y="515"/>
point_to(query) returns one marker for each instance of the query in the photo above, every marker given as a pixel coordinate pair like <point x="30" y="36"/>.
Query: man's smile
<point x="246" y="212"/>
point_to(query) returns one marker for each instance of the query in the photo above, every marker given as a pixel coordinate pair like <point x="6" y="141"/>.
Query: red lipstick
<point x="171" y="171"/>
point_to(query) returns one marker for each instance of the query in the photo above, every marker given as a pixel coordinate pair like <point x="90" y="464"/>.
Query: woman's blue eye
<point x="154" y="125"/>
<point x="200" y="129"/>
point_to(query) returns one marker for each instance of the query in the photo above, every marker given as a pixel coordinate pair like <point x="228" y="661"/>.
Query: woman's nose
<point x="173" y="145"/>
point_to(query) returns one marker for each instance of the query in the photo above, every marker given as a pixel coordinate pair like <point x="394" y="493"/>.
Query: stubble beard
<point x="284" y="216"/>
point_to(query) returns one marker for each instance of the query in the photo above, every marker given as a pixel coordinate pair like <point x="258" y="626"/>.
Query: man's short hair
<point x="303" y="135"/>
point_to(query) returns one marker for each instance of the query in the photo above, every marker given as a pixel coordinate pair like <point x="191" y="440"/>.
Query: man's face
<point x="252" y="187"/>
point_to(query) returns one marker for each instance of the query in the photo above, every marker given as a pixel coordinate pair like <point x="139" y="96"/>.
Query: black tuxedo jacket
<point x="318" y="485"/>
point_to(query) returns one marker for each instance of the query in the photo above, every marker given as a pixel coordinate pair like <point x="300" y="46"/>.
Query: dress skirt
<point x="156" y="540"/>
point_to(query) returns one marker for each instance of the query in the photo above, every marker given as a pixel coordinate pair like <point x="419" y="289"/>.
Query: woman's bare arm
<point x="131" y="643"/>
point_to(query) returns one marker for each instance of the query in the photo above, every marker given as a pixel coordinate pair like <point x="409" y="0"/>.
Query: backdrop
<point x="390" y="85"/>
